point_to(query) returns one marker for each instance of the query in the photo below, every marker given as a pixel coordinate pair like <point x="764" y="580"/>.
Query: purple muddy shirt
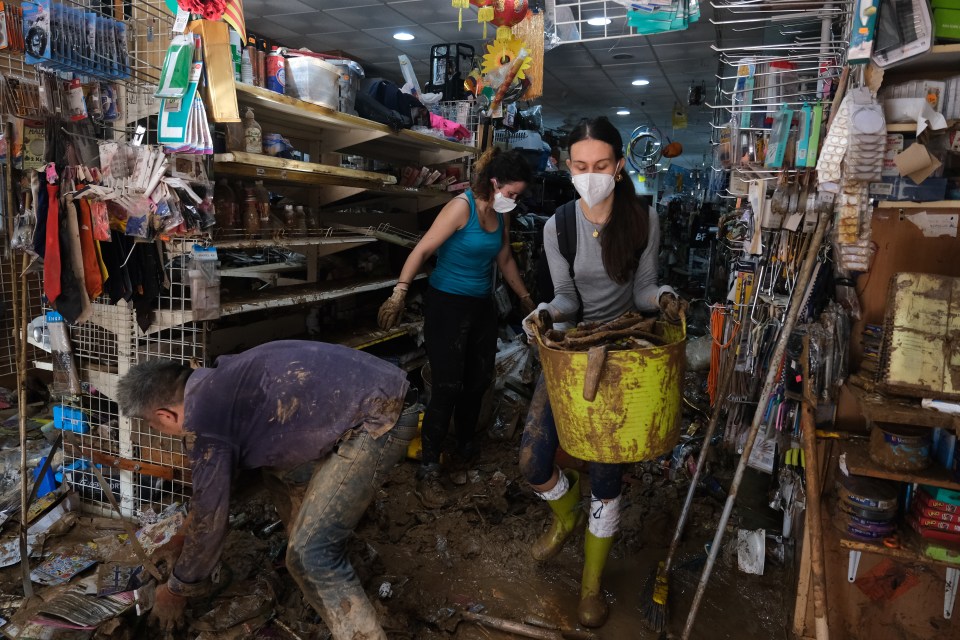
<point x="277" y="405"/>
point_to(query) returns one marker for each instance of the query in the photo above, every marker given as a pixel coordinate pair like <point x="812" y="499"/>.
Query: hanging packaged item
<point x="175" y="74"/>
<point x="779" y="137"/>
<point x="65" y="378"/>
<point x="204" y="283"/>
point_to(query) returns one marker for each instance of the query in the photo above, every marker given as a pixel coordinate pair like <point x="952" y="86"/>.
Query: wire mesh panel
<point x="8" y="346"/>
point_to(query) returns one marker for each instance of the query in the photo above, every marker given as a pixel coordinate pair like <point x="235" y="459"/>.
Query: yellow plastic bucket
<point x="634" y="413"/>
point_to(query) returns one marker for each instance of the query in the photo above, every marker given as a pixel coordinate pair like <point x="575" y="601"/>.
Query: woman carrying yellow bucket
<point x="611" y="270"/>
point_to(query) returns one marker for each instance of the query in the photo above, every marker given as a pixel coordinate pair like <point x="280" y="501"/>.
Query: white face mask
<point x="593" y="187"/>
<point x="501" y="203"/>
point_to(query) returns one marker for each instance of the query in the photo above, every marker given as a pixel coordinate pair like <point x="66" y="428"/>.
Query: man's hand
<point x="673" y="307"/>
<point x="390" y="311"/>
<point x="533" y="320"/>
<point x="166" y="556"/>
<point x="526" y="304"/>
<point x="167" y="610"/>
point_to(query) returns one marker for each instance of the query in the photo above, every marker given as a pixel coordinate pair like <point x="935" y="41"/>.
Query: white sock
<point x="604" y="520"/>
<point x="559" y="490"/>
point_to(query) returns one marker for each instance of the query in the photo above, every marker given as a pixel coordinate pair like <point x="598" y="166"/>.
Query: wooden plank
<point x="262" y="161"/>
<point x="908" y="551"/>
<point x="860" y="464"/>
<point x="897" y="410"/>
<point x="906" y="204"/>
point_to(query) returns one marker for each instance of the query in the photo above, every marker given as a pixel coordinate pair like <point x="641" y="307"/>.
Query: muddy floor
<point x="421" y="566"/>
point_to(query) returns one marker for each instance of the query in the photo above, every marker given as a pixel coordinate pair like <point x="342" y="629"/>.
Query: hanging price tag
<point x="180" y="24"/>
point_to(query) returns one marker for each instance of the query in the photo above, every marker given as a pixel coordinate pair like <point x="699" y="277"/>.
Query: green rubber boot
<point x="567" y="517"/>
<point x="593" y="609"/>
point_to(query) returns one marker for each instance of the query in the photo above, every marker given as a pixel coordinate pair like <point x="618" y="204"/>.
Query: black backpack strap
<point x="566" y="219"/>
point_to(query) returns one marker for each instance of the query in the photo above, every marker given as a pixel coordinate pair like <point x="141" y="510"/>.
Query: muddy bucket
<point x="617" y="406"/>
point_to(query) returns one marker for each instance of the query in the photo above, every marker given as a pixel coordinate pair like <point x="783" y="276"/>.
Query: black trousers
<point x="461" y="342"/>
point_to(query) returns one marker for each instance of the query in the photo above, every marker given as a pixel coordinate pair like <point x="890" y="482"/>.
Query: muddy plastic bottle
<point x="251" y="215"/>
<point x="289" y="218"/>
<point x="300" y="217"/>
<point x="224" y="205"/>
<point x="252" y="133"/>
<point x="263" y="203"/>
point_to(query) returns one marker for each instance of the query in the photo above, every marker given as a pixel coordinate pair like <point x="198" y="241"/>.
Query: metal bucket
<point x="313" y="80"/>
<point x="618" y="406"/>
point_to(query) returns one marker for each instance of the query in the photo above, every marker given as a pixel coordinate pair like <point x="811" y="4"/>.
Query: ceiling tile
<point x="275" y="31"/>
<point x="379" y="17"/>
<point x="348" y="41"/>
<point x="427" y="11"/>
<point x="275" y="7"/>
<point x="312" y="22"/>
<point x="421" y="36"/>
<point x="340" y="4"/>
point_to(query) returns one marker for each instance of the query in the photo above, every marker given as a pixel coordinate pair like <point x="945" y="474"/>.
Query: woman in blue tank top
<point x="470" y="235"/>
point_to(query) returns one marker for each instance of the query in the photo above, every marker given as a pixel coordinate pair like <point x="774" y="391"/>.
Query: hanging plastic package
<point x="867" y="139"/>
<point x="803" y="137"/>
<point x="175" y="75"/>
<point x="204" y="283"/>
<point x="779" y="137"/>
<point x="65" y="378"/>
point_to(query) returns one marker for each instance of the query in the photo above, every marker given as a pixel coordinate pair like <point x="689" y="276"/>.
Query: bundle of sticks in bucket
<point x="629" y="331"/>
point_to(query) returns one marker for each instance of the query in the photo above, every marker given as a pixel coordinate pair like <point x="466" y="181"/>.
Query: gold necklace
<point x="596" y="225"/>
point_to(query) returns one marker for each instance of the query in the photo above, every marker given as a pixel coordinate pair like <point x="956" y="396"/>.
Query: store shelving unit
<point x="909" y="546"/>
<point x="275" y="305"/>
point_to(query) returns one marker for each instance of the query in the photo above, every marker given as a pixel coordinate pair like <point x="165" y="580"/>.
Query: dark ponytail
<point x="502" y="166"/>
<point x="626" y="234"/>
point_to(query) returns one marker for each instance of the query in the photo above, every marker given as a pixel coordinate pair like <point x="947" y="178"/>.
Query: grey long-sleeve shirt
<point x="603" y="299"/>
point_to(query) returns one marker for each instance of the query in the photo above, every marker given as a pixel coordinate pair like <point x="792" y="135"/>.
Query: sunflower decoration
<point x="502" y="53"/>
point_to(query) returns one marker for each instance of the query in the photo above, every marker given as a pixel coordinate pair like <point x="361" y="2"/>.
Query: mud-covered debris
<point x="385" y="591"/>
<point x="232" y="611"/>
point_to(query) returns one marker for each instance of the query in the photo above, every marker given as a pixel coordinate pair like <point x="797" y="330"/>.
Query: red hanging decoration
<point x="209" y="9"/>
<point x="507" y="13"/>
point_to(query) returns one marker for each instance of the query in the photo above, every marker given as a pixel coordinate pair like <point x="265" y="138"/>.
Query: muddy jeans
<point x="461" y="342"/>
<point x="341" y="489"/>
<point x="538" y="449"/>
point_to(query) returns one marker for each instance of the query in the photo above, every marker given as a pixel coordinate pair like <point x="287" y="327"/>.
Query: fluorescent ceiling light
<point x="623" y="112"/>
<point x="403" y="35"/>
<point x="599" y="22"/>
<point x="640" y="83"/>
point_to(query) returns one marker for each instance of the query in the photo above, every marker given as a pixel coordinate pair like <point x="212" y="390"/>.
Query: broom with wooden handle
<point x="654" y="598"/>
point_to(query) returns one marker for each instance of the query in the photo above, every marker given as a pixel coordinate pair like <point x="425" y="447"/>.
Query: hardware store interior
<point x="564" y="319"/>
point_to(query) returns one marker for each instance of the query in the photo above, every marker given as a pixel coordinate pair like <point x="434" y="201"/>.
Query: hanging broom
<point x="657" y="588"/>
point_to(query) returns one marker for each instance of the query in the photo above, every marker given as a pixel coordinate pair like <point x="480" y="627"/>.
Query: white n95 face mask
<point x="594" y="187"/>
<point x="503" y="204"/>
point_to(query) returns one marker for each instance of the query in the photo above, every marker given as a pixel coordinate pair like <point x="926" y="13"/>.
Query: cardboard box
<point x="946" y="24"/>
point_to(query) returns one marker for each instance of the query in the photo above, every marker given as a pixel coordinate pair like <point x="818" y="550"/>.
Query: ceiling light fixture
<point x="623" y="112"/>
<point x="599" y="22"/>
<point x="640" y="83"/>
<point x="402" y="35"/>
<point x="622" y="56"/>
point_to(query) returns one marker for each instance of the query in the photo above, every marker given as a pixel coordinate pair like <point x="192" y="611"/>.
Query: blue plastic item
<point x="46" y="484"/>
<point x="70" y="419"/>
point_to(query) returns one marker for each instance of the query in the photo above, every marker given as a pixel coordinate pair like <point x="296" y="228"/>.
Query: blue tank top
<point x="465" y="260"/>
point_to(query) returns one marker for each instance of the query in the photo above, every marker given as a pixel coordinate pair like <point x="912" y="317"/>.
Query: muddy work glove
<point x="673" y="307"/>
<point x="167" y="612"/>
<point x="392" y="309"/>
<point x="166" y="556"/>
<point x="539" y="317"/>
